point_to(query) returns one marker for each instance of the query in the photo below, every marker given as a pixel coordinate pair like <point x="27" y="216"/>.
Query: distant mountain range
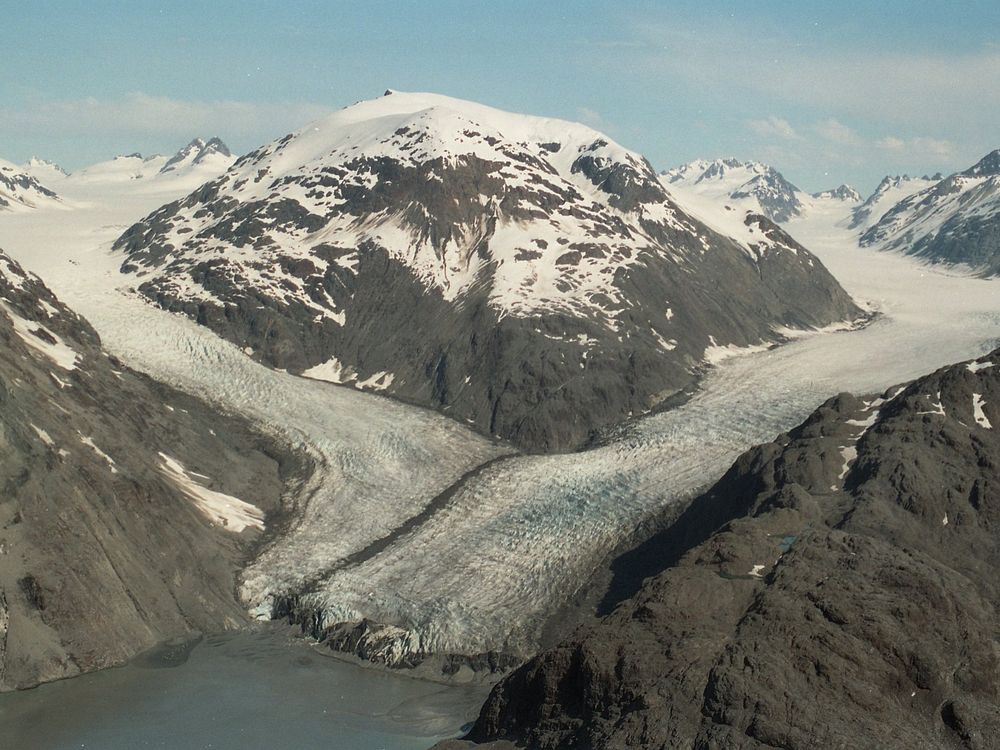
<point x="526" y="275"/>
<point x="954" y="219"/>
<point x="772" y="194"/>
<point x="38" y="182"/>
<point x="199" y="159"/>
<point x="750" y="185"/>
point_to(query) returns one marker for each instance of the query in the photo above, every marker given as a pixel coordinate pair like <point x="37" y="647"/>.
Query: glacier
<point x="413" y="520"/>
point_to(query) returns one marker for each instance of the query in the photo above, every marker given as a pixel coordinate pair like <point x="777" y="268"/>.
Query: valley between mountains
<point x="441" y="516"/>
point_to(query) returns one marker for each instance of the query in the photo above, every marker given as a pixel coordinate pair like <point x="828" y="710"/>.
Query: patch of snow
<point x="331" y="371"/>
<point x="937" y="408"/>
<point x="849" y="454"/>
<point x="43" y="435"/>
<point x="223" y="510"/>
<point x="57" y="350"/>
<point x="978" y="413"/>
<point x="975" y="367"/>
<point x="89" y="442"/>
<point x="377" y="382"/>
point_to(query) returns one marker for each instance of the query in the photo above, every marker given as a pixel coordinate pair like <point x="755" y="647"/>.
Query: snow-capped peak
<point x="212" y="152"/>
<point x="43" y="169"/>
<point x="421" y="126"/>
<point x="756" y="186"/>
<point x="844" y="193"/>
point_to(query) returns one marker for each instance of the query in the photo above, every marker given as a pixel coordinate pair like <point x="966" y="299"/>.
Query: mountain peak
<point x="35" y="163"/>
<point x="842" y="193"/>
<point x="492" y="232"/>
<point x="196" y="152"/>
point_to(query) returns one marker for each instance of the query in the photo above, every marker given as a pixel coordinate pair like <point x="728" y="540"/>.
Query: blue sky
<point x="827" y="92"/>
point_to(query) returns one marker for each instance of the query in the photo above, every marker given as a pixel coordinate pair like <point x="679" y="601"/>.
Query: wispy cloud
<point x="918" y="88"/>
<point x="936" y="147"/>
<point x="140" y="113"/>
<point x="591" y="117"/>
<point x="835" y="131"/>
<point x="774" y="126"/>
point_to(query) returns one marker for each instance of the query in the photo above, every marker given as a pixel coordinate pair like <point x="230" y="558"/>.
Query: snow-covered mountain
<point x="750" y="184"/>
<point x="889" y="192"/>
<point x="525" y="274"/>
<point x="843" y="193"/>
<point x="20" y="190"/>
<point x="46" y="172"/>
<point x="121" y="525"/>
<point x="955" y="220"/>
<point x="197" y="162"/>
<point x="122" y="168"/>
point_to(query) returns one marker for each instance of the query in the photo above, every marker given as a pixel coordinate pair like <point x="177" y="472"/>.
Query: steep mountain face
<point x="747" y="182"/>
<point x="889" y="192"/>
<point x="843" y="193"/>
<point x="19" y="190"/>
<point x="834" y="589"/>
<point x="956" y="220"/>
<point x="526" y="275"/>
<point x="126" y="507"/>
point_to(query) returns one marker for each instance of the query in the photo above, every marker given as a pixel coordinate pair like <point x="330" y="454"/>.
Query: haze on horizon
<point x="827" y="93"/>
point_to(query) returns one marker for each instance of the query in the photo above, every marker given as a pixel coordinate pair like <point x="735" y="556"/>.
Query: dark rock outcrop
<point x="835" y="589"/>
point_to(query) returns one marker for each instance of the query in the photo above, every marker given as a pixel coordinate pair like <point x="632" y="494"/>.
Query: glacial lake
<point x="237" y="692"/>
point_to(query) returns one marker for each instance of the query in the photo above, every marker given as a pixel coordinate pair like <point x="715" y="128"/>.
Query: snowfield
<point x="482" y="566"/>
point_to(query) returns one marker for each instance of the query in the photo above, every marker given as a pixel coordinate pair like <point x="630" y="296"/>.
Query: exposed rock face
<point x="113" y="531"/>
<point x="525" y="275"/>
<point x="835" y="589"/>
<point x="955" y="220"/>
<point x="775" y="197"/>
